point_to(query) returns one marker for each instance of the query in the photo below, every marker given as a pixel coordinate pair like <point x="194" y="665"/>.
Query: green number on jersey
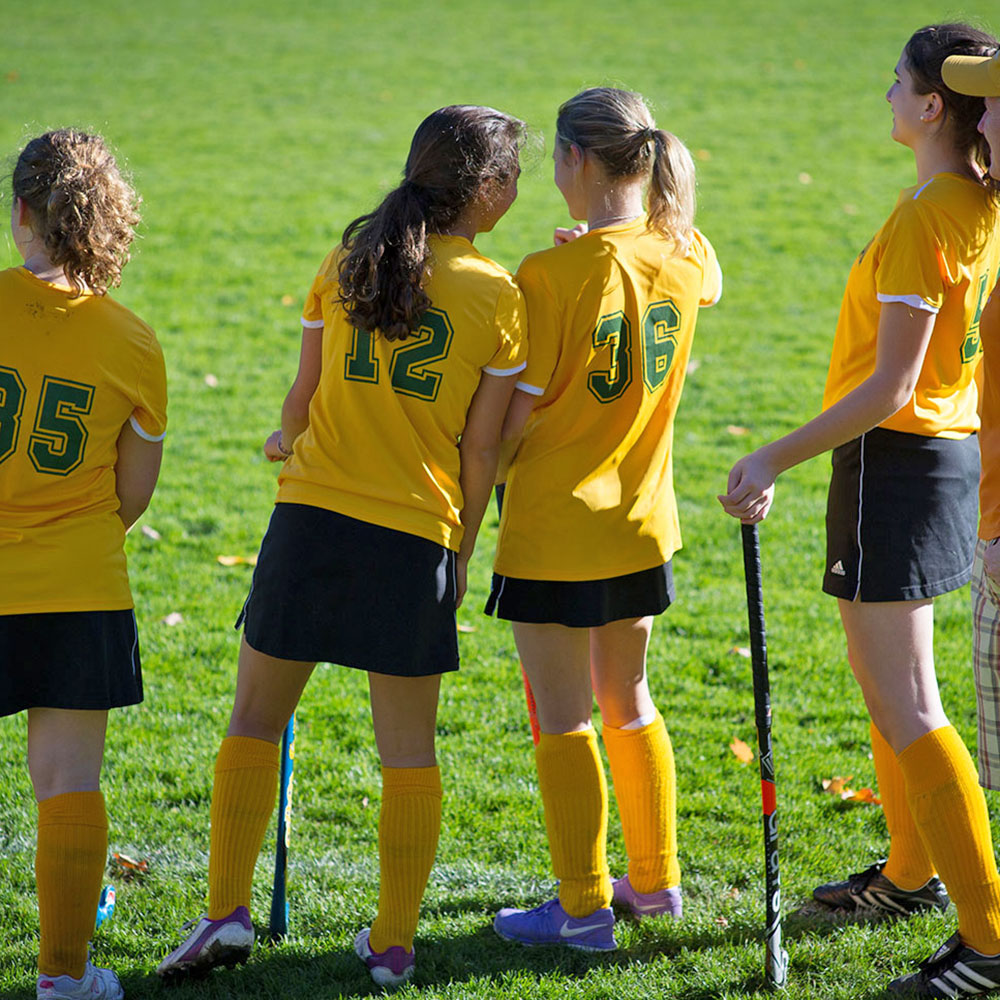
<point x="59" y="437"/>
<point x="971" y="345"/>
<point x="408" y="372"/>
<point x="660" y="324"/>
<point x="614" y="331"/>
<point x="11" y="405"/>
<point x="361" y="364"/>
<point x="408" y="369"/>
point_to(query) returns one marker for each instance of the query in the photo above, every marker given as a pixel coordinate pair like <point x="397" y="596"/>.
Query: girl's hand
<point x="562" y="235"/>
<point x="271" y="450"/>
<point x="461" y="580"/>
<point x="751" y="488"/>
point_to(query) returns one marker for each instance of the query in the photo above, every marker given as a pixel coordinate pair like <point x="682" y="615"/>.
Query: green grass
<point x="255" y="131"/>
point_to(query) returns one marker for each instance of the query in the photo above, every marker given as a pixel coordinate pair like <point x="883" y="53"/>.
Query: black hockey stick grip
<point x="776" y="959"/>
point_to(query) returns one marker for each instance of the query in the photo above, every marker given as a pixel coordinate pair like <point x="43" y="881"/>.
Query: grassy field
<point x="255" y="130"/>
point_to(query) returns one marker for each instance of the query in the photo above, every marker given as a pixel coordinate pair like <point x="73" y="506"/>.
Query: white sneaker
<point x="94" y="984"/>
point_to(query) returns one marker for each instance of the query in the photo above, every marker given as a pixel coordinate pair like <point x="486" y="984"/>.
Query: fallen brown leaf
<point x="237" y="560"/>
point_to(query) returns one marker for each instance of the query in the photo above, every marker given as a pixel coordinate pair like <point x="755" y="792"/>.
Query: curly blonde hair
<point x="80" y="205"/>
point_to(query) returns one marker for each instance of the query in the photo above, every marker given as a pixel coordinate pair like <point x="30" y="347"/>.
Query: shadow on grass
<point x="300" y="971"/>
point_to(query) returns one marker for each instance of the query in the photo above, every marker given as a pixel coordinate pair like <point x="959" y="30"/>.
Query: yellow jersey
<point x="590" y="490"/>
<point x="73" y="372"/>
<point x="386" y="419"/>
<point x="938" y="251"/>
<point x="989" y="435"/>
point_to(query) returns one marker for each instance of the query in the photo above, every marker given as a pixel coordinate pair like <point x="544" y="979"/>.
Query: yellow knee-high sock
<point x="246" y="783"/>
<point x="909" y="865"/>
<point x="575" y="796"/>
<point x="642" y="768"/>
<point x="69" y="867"/>
<point x="950" y="812"/>
<point x="408" y="829"/>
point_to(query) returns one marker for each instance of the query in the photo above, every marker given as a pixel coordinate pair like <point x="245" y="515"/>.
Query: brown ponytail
<point x="80" y="205"/>
<point x="383" y="268"/>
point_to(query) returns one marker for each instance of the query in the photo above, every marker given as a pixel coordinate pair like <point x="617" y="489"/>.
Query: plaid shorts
<point x="986" y="663"/>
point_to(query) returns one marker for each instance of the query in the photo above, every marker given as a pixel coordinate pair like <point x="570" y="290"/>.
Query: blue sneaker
<point x="551" y="924"/>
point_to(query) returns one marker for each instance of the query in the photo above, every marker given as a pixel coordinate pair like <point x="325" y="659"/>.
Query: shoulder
<point x="564" y="265"/>
<point x="460" y="261"/>
<point x="122" y="319"/>
<point x="945" y="196"/>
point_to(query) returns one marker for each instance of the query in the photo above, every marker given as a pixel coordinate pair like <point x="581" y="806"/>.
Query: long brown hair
<point x="616" y="125"/>
<point x="383" y="267"/>
<point x="80" y="205"/>
<point x="924" y="54"/>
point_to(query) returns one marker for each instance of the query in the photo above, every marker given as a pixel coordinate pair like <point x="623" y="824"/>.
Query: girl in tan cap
<point x="900" y="415"/>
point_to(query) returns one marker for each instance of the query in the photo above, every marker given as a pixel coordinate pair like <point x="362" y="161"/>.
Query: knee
<point x="255" y="726"/>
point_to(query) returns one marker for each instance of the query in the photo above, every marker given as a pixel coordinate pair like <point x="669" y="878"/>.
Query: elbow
<point x="901" y="395"/>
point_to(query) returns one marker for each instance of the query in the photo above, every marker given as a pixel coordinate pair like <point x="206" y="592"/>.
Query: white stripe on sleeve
<point x="143" y="434"/>
<point x="312" y="324"/>
<point x="913" y="301"/>
<point x="506" y="371"/>
<point x="531" y="390"/>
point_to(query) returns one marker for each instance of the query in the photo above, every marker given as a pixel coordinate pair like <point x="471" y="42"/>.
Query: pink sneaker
<point x="391" y="967"/>
<point x="94" y="984"/>
<point x="210" y="943"/>
<point x="646" y="904"/>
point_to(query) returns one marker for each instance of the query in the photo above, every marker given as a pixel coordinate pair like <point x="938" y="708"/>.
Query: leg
<point x="986" y="664"/>
<point x="243" y="796"/>
<point x="65" y="750"/>
<point x="891" y="653"/>
<point x="557" y="662"/>
<point x="891" y="649"/>
<point x="618" y="671"/>
<point x="570" y="774"/>
<point x="246" y="773"/>
<point x="404" y="714"/>
<point x="642" y="762"/>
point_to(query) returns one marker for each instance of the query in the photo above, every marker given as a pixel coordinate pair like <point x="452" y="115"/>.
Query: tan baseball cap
<point x="978" y="76"/>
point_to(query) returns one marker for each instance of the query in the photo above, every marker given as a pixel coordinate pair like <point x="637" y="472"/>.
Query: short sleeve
<point x="312" y="311"/>
<point x="149" y="416"/>
<point x="511" y="324"/>
<point x="911" y="267"/>
<point x="711" y="283"/>
<point x="543" y="326"/>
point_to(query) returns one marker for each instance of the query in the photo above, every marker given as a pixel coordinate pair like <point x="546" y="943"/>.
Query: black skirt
<point x="330" y="588"/>
<point x="582" y="603"/>
<point x="85" y="660"/>
<point x="901" y="516"/>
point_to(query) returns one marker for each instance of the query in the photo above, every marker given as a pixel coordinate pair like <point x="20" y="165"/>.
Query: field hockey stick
<point x="529" y="695"/>
<point x="776" y="958"/>
<point x="278" y="926"/>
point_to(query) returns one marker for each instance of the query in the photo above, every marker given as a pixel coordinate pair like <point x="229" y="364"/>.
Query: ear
<point x="575" y="154"/>
<point x="933" y="107"/>
<point x="21" y="212"/>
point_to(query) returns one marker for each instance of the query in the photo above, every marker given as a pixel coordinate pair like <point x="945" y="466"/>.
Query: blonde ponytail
<point x="671" y="195"/>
